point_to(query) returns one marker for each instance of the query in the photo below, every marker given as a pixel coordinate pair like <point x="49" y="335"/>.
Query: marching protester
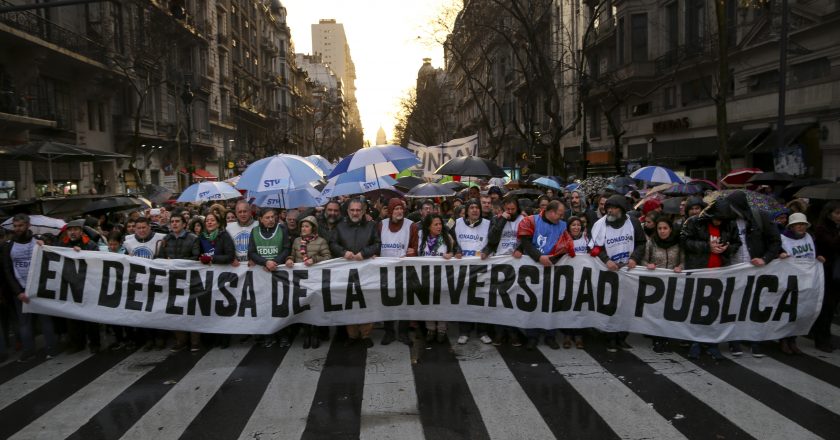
<point x="471" y="238"/>
<point x="545" y="239"/>
<point x="398" y="238"/>
<point x="436" y="240"/>
<point x="577" y="205"/>
<point x="662" y="251"/>
<point x="269" y="248"/>
<point x="356" y="239"/>
<point x="309" y="248"/>
<point x="181" y="244"/>
<point x="709" y="240"/>
<point x="618" y="240"/>
<point x="827" y="242"/>
<point x="16" y="255"/>
<point x="503" y="239"/>
<point x="581" y="246"/>
<point x="760" y="244"/>
<point x="216" y="247"/>
<point x="240" y="231"/>
<point x="144" y="243"/>
<point x="82" y="334"/>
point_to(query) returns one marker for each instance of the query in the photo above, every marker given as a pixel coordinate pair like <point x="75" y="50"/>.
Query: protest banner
<point x="734" y="303"/>
<point x="432" y="157"/>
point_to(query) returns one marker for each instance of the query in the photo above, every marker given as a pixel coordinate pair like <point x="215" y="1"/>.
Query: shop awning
<point x="200" y="175"/>
<point x="792" y="134"/>
<point x="743" y="141"/>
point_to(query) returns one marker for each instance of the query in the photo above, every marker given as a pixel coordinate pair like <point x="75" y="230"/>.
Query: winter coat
<point x="694" y="239"/>
<point x="662" y="257"/>
<point x="225" y="249"/>
<point x="183" y="247"/>
<point x="762" y="236"/>
<point x="318" y="250"/>
<point x="355" y="237"/>
<point x="827" y="241"/>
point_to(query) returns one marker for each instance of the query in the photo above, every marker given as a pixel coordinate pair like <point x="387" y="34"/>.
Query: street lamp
<point x="187" y="97"/>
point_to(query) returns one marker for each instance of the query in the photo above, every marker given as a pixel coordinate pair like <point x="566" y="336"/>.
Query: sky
<point x="388" y="40"/>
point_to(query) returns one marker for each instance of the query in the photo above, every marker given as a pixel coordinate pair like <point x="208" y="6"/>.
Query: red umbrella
<point x="739" y="176"/>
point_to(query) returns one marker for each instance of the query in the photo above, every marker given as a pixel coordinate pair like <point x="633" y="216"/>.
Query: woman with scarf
<point x="309" y="248"/>
<point x="577" y="230"/>
<point x="435" y="240"/>
<point x="216" y="247"/>
<point x="663" y="251"/>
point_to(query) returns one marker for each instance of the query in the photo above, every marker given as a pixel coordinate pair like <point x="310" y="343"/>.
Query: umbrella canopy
<point x="572" y="186"/>
<point x="112" y="204"/>
<point x="624" y="181"/>
<point x="656" y="174"/>
<point x="431" y="190"/>
<point x="470" y="166"/>
<point x="756" y="200"/>
<point x="49" y="151"/>
<point x="321" y="162"/>
<point x="740" y="176"/>
<point x="208" y="191"/>
<point x="705" y="184"/>
<point x="685" y="189"/>
<point x="158" y="194"/>
<point x="280" y="172"/>
<point x="40" y="224"/>
<point x="672" y="205"/>
<point x="826" y="191"/>
<point x="796" y="185"/>
<point x="358" y="181"/>
<point x="408" y="182"/>
<point x="526" y="192"/>
<point x="548" y="182"/>
<point x="305" y="197"/>
<point x="385" y="159"/>
<point x="771" y="178"/>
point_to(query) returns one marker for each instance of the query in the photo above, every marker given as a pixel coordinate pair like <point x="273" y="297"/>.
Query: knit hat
<point x="617" y="201"/>
<point x="650" y="205"/>
<point x="797" y="218"/>
<point x="78" y="223"/>
<point x="394" y="202"/>
<point x="312" y="221"/>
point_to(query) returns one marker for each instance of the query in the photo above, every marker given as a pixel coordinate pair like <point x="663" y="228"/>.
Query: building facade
<point x="188" y="90"/>
<point x="329" y="111"/>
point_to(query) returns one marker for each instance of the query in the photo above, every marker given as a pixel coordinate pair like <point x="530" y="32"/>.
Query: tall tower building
<point x="330" y="42"/>
<point x="380" y="137"/>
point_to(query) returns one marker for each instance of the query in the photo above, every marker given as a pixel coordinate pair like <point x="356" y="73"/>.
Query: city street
<point x="474" y="391"/>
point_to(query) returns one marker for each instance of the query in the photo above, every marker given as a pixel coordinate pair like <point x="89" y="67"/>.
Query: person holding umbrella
<point x="269" y="248"/>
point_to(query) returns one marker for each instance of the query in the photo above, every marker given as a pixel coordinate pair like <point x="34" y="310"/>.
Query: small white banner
<point x="432" y="157"/>
<point x="734" y="303"/>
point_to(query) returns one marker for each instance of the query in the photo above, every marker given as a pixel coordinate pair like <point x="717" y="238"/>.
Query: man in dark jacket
<point x="81" y="333"/>
<point x="179" y="243"/>
<point x="355" y="240"/>
<point x="762" y="243"/>
<point x="331" y="220"/>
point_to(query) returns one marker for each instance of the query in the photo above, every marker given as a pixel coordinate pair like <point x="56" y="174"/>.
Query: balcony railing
<point x="685" y="53"/>
<point x="48" y="31"/>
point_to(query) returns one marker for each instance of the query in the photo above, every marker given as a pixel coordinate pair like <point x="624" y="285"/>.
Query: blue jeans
<point x="27" y="334"/>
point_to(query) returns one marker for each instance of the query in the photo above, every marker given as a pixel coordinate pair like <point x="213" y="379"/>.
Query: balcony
<point x="50" y="32"/>
<point x="222" y="39"/>
<point x="687" y="54"/>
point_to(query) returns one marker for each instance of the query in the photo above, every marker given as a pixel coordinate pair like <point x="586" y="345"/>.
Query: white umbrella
<point x="207" y="192"/>
<point x="40" y="224"/>
<point x="280" y="172"/>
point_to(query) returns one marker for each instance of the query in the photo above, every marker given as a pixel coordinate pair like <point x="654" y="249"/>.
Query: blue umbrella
<point x="208" y="191"/>
<point x="656" y="174"/>
<point x="572" y="186"/>
<point x="384" y="160"/>
<point x="302" y="197"/>
<point x="280" y="172"/>
<point x="548" y="182"/>
<point x="321" y="162"/>
<point x="357" y="181"/>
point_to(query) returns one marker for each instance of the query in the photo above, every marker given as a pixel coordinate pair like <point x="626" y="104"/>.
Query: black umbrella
<point x="826" y="191"/>
<point x="408" y="182"/>
<point x="48" y="151"/>
<point x="158" y="194"/>
<point x="672" y="205"/>
<point x="455" y="186"/>
<point x="624" y="181"/>
<point x="796" y="185"/>
<point x="526" y="192"/>
<point x="111" y="204"/>
<point x="430" y="190"/>
<point x="771" y="178"/>
<point x="470" y="166"/>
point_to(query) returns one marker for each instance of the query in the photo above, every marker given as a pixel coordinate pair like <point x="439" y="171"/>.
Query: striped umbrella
<point x="656" y="174"/>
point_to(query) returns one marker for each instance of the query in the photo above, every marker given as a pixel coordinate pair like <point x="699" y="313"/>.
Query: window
<point x="695" y="25"/>
<point x="641" y="109"/>
<point x="810" y="70"/>
<point x="672" y="21"/>
<point x="696" y="91"/>
<point x="669" y="98"/>
<point x="620" y="42"/>
<point x="639" y="37"/>
<point x="595" y="122"/>
<point x="764" y="81"/>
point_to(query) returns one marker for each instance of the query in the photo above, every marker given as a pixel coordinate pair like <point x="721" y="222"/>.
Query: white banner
<point x="433" y="157"/>
<point x="735" y="303"/>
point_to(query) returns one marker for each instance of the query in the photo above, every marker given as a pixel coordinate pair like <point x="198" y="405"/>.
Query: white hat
<point x="155" y="211"/>
<point x="798" y="217"/>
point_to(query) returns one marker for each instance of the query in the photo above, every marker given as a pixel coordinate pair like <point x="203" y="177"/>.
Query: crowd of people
<point x="622" y="230"/>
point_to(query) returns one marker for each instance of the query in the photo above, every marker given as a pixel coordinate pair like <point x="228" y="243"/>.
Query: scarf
<point x="432" y="245"/>
<point x="672" y="240"/>
<point x="211" y="236"/>
<point x="304" y="242"/>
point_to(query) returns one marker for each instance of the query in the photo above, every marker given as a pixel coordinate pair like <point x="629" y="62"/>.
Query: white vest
<point x="21" y="254"/>
<point x="619" y="243"/>
<point x="471" y="240"/>
<point x="581" y="245"/>
<point x="509" y="240"/>
<point x="241" y="236"/>
<point x="146" y="249"/>
<point x="802" y="248"/>
<point x="394" y="244"/>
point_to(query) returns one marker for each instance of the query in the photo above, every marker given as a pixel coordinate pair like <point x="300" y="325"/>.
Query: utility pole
<point x="187" y="97"/>
<point x="783" y="45"/>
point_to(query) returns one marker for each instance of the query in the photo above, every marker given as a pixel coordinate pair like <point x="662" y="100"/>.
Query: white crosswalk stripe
<point x="391" y="407"/>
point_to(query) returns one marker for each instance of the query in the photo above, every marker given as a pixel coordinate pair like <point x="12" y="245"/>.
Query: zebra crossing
<point x="472" y="391"/>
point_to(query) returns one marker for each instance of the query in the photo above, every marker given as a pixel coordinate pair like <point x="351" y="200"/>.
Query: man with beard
<point x="398" y="238"/>
<point x="503" y="240"/>
<point x="356" y="239"/>
<point x="331" y="219"/>
<point x="81" y="332"/>
<point x="240" y="231"/>
<point x="618" y="240"/>
<point x="545" y="239"/>
<point x="595" y="213"/>
<point x="761" y="244"/>
<point x="577" y="205"/>
<point x="16" y="258"/>
<point x="471" y="233"/>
